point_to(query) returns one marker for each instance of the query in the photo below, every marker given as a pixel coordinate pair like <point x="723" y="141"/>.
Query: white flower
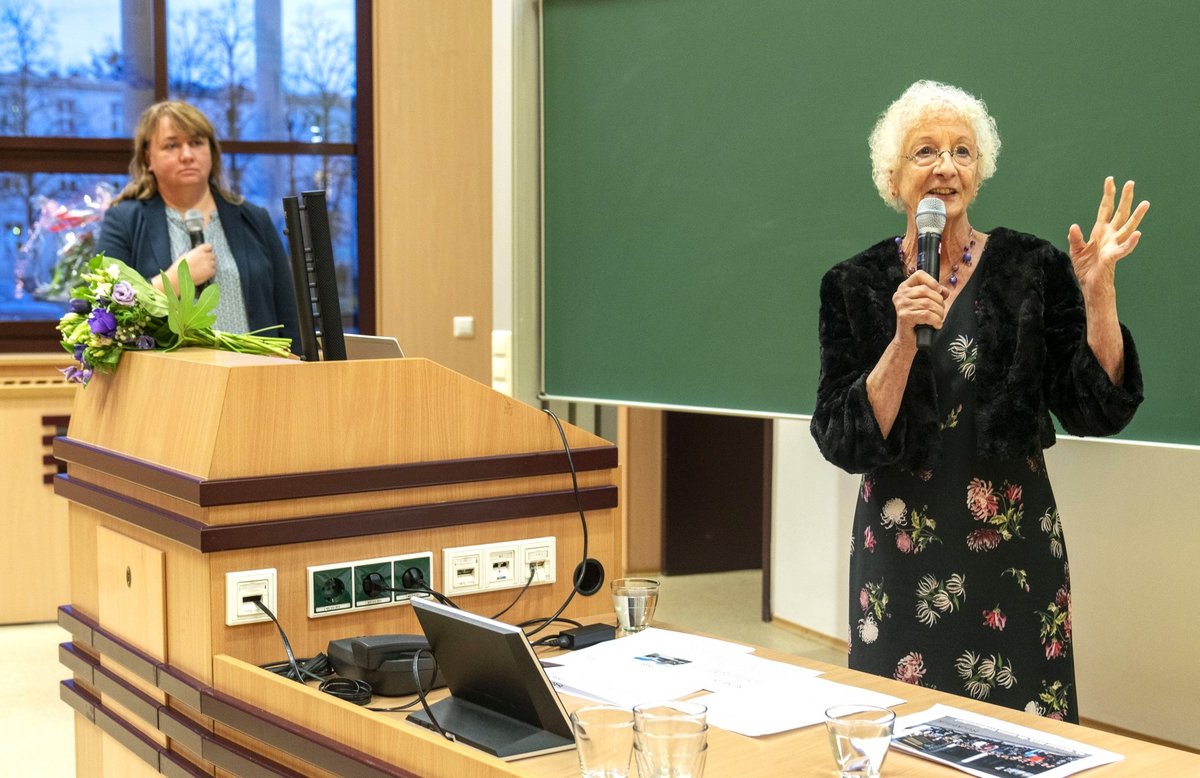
<point x="893" y="512"/>
<point x="114" y="271"/>
<point x="978" y="689"/>
<point x="868" y="630"/>
<point x="941" y="601"/>
<point x="925" y="614"/>
<point x="956" y="584"/>
<point x="1034" y="708"/>
<point x="1056" y="548"/>
<point x="1005" y="678"/>
<point x="926" y="586"/>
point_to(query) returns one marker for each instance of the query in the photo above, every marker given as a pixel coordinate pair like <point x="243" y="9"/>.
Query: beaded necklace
<point x="966" y="257"/>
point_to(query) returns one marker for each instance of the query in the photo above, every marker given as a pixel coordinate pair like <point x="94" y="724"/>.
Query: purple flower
<point x="102" y="322"/>
<point x="80" y="306"/>
<point x="144" y="342"/>
<point x="79" y="352"/>
<point x="73" y="374"/>
<point x="122" y="294"/>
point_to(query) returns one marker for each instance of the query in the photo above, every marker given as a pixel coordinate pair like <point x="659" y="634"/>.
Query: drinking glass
<point x="670" y="739"/>
<point x="859" y="736"/>
<point x="634" y="600"/>
<point x="604" y="740"/>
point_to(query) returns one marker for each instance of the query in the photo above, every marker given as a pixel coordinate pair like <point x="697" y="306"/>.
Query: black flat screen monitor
<point x="314" y="276"/>
<point x="502" y="702"/>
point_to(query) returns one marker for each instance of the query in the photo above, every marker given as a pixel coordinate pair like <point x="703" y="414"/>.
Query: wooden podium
<point x="183" y="467"/>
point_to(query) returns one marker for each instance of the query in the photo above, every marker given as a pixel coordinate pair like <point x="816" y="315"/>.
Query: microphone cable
<point x="575" y="583"/>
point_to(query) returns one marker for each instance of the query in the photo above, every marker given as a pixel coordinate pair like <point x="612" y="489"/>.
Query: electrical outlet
<point x="538" y="553"/>
<point x="330" y="588"/>
<point x="243" y="588"/>
<point x="382" y="569"/>
<point x="422" y="562"/>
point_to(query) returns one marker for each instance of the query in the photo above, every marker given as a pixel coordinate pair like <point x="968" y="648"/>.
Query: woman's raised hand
<point x="1113" y="237"/>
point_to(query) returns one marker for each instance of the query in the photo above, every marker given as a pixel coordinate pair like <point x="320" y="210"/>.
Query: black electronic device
<point x="502" y="702"/>
<point x="385" y="662"/>
<point x="314" y="276"/>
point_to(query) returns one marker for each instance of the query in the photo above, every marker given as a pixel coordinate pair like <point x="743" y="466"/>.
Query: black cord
<point x="315" y="669"/>
<point x="525" y="588"/>
<point x="416" y="673"/>
<point x="373" y="584"/>
<point x="298" y="673"/>
<point x="531" y="622"/>
<point x="582" y="519"/>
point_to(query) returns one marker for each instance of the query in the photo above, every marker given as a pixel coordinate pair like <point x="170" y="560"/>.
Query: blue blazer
<point x="135" y="232"/>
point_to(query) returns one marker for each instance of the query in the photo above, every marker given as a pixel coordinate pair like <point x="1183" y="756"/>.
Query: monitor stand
<point x="487" y="730"/>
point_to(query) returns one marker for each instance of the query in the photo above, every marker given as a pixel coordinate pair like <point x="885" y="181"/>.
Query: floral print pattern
<point x="977" y="600"/>
<point x="964" y="351"/>
<point x="935" y="599"/>
<point x="983" y="674"/>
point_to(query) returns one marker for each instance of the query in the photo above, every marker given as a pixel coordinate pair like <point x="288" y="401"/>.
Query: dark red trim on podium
<point x="261" y="725"/>
<point x="232" y="491"/>
<point x="227" y="537"/>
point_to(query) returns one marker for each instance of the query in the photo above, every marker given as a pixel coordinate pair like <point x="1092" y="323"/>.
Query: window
<point x="286" y="83"/>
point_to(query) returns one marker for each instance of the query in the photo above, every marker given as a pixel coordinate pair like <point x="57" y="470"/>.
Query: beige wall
<point x="433" y="168"/>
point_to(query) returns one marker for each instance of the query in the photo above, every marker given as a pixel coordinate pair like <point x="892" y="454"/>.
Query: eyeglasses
<point x="925" y="156"/>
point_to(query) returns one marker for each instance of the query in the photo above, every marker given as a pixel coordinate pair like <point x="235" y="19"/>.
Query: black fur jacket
<point x="1033" y="359"/>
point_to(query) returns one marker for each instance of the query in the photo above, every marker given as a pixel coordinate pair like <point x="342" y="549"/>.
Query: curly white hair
<point x="919" y="102"/>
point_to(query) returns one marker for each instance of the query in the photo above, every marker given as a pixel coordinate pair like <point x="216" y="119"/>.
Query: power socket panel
<point x="340" y="587"/>
<point x="501" y="565"/>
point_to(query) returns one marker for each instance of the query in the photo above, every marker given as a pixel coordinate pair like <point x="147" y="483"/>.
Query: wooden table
<point x="802" y="752"/>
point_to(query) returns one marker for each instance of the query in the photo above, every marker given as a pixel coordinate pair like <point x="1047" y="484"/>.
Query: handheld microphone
<point x="931" y="220"/>
<point x="193" y="222"/>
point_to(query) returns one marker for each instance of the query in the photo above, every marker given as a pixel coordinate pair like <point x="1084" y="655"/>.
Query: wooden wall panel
<point x="433" y="140"/>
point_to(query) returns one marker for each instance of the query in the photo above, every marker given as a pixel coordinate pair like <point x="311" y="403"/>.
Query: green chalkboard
<point x="705" y="161"/>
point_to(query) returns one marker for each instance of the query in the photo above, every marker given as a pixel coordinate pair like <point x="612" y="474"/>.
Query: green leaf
<point x="185" y="314"/>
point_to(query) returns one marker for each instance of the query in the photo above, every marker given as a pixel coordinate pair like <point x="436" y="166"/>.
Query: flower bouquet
<point x="117" y="310"/>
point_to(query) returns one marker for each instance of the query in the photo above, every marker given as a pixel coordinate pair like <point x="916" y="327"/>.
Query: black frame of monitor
<point x="314" y="276"/>
<point x="502" y="701"/>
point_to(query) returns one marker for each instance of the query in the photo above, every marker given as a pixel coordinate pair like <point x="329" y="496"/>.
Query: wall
<point x="1131" y="539"/>
<point x="433" y="140"/>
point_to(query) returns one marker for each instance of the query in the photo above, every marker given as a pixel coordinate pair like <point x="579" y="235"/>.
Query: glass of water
<point x="634" y="600"/>
<point x="859" y="736"/>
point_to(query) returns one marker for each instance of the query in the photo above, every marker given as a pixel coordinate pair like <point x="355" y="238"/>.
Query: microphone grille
<point x="193" y="221"/>
<point x="931" y="215"/>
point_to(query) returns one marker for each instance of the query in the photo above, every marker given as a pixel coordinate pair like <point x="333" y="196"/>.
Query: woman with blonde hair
<point x="176" y="175"/>
<point x="958" y="570"/>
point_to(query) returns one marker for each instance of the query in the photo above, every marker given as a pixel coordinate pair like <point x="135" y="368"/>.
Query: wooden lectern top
<point x="217" y="414"/>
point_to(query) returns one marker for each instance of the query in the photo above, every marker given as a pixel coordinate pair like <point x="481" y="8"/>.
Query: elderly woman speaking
<point x="958" y="572"/>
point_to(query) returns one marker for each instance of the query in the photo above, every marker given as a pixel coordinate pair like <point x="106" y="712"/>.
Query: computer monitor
<point x="306" y="225"/>
<point x="502" y="702"/>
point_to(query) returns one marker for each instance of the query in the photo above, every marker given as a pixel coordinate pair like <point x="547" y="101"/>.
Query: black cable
<point x="298" y="673"/>
<point x="397" y="708"/>
<point x="358" y="692"/>
<point x="525" y="588"/>
<point x="318" y="665"/>
<point x="416" y="673"/>
<point x="373" y="584"/>
<point x="530" y="622"/>
<point x="582" y="519"/>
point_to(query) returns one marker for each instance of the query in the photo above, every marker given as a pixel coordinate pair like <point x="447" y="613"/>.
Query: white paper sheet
<point x="764" y="709"/>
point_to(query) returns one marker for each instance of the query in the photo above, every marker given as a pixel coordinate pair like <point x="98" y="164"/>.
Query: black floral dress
<point x="958" y="573"/>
